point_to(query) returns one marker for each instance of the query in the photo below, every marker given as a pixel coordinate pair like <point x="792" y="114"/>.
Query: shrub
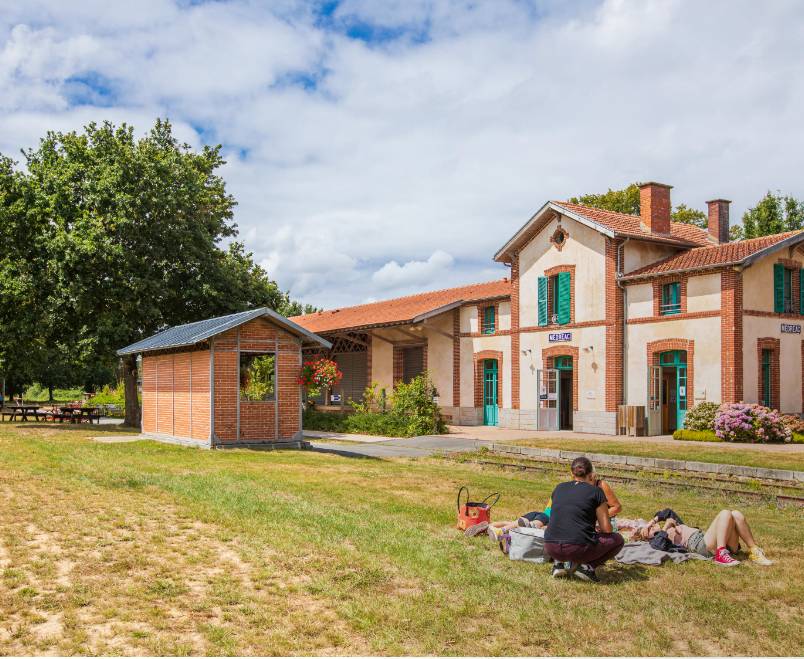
<point x="741" y="422"/>
<point x="697" y="436"/>
<point x="412" y="412"/>
<point x="701" y="417"/>
<point x="414" y="403"/>
<point x="798" y="438"/>
<point x="794" y="422"/>
<point x="111" y="396"/>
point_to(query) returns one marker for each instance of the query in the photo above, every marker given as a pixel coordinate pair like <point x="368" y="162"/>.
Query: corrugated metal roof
<point x="192" y="333"/>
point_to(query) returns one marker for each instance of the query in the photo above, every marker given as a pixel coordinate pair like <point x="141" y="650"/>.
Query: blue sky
<point x="381" y="148"/>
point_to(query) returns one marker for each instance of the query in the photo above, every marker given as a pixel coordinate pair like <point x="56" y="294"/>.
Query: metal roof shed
<point x="225" y="382"/>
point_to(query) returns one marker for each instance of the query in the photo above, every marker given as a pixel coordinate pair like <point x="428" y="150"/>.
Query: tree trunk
<point x="132" y="401"/>
<point x="50" y="393"/>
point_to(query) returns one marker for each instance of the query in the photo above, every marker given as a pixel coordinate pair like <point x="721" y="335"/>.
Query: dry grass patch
<point x="151" y="549"/>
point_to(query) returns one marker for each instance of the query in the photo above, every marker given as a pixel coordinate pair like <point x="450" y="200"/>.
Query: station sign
<point x="787" y="328"/>
<point x="556" y="337"/>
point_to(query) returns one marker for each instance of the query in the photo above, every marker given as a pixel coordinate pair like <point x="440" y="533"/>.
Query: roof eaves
<point x="512" y="241"/>
<point x="677" y="271"/>
<point x="437" y="311"/>
<point x="787" y="242"/>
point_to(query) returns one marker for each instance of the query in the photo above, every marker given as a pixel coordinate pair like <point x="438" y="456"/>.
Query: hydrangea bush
<point x="701" y="417"/>
<point x="743" y="422"/>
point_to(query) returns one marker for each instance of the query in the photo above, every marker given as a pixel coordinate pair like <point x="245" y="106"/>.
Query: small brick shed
<point x="225" y="382"/>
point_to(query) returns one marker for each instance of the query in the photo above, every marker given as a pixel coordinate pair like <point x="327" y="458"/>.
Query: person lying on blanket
<point x="722" y="537"/>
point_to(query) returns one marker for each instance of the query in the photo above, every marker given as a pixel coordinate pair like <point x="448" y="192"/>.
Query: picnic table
<point x="78" y="414"/>
<point x="23" y="411"/>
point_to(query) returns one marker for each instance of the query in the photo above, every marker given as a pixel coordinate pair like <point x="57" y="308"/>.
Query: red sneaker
<point x="723" y="558"/>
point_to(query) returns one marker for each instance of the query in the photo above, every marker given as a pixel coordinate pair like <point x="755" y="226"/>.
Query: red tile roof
<point x="713" y="256"/>
<point x="400" y="310"/>
<point x="631" y="226"/>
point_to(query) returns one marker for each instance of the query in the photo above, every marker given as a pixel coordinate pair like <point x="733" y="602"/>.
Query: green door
<point x="490" y="392"/>
<point x="766" y="378"/>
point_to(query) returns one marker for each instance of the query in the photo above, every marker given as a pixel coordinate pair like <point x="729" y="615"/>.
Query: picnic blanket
<point x="642" y="552"/>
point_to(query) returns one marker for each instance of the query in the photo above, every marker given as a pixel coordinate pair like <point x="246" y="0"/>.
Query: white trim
<point x="537" y="216"/>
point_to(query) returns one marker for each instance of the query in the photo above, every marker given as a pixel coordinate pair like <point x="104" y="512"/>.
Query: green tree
<point x="627" y="201"/>
<point x="773" y="213"/>
<point x="126" y="239"/>
<point x="621" y="201"/>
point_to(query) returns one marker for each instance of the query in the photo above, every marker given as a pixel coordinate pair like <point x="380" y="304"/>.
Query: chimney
<point x="719" y="219"/>
<point x="654" y="206"/>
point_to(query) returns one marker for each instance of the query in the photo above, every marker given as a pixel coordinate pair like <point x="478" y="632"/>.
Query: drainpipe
<point x="619" y="274"/>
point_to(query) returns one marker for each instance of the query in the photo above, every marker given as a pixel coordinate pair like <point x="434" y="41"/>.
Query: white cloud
<point x="414" y="273"/>
<point x="442" y="141"/>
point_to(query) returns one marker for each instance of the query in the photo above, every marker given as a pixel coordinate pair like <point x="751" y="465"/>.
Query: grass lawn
<point x="155" y="549"/>
<point x="749" y="455"/>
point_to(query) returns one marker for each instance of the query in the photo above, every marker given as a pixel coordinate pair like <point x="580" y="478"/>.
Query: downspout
<point x="618" y="278"/>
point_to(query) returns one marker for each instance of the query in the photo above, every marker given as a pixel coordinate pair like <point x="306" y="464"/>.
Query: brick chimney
<point x="719" y="219"/>
<point x="654" y="206"/>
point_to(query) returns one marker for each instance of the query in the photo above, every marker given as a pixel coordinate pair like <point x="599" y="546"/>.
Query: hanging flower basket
<point x="319" y="374"/>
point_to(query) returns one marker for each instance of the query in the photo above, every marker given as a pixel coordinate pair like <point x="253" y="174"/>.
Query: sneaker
<point x="723" y="558"/>
<point x="523" y="522"/>
<point x="560" y="569"/>
<point x="495" y="532"/>
<point x="758" y="556"/>
<point x="586" y="573"/>
<point x="476" y="529"/>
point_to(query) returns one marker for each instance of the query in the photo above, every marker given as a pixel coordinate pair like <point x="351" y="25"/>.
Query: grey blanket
<point x="642" y="552"/>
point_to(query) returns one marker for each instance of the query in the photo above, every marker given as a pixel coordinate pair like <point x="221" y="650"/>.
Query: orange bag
<point x="473" y="512"/>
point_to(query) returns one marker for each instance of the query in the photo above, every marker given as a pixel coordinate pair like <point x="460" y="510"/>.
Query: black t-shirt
<point x="573" y="517"/>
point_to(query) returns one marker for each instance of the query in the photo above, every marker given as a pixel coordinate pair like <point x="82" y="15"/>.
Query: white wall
<point x="706" y="334"/>
<point x="789" y="360"/>
<point x="585" y="249"/>
<point x="703" y="292"/>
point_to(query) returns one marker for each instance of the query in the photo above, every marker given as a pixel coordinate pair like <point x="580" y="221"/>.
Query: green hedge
<point x="798" y="438"/>
<point x="696" y="436"/>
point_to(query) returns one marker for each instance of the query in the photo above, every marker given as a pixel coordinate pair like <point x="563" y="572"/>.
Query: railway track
<point x="780" y="498"/>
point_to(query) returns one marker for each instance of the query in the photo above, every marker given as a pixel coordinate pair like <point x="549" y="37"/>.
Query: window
<point x="671" y="299"/>
<point x="555" y="299"/>
<point x="257" y="376"/>
<point x="782" y="288"/>
<point x="489" y="320"/>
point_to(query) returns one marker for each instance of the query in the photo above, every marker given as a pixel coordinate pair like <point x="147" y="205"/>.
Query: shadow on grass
<point x="345" y="452"/>
<point x="73" y="427"/>
<point x="616" y="573"/>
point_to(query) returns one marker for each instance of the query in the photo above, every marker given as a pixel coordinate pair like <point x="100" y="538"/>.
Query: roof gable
<point x="609" y="223"/>
<point x="194" y="333"/>
<point x="402" y="310"/>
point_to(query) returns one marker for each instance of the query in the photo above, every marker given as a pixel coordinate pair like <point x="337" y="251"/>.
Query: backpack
<point x="526" y="544"/>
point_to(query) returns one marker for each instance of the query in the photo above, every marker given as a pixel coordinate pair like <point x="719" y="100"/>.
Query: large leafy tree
<point x="627" y="201"/>
<point x="127" y="235"/>
<point x="774" y="213"/>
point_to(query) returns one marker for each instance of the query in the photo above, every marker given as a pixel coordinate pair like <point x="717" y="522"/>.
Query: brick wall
<point x="614" y="330"/>
<point x="516" y="357"/>
<point x="176" y="389"/>
<point x="257" y="419"/>
<point x="175" y="394"/>
<point x="731" y="333"/>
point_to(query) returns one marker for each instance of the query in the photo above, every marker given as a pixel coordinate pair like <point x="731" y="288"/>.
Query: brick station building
<point x="600" y="309"/>
<point x="225" y="382"/>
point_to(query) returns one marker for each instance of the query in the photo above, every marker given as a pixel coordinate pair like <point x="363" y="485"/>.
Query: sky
<point x="380" y="148"/>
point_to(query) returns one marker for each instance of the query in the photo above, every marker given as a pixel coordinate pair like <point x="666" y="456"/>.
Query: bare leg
<point x="505" y="526"/>
<point x="743" y="530"/>
<point x="720" y="531"/>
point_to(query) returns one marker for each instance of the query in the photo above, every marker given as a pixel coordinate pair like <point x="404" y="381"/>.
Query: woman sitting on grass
<point x="722" y="536"/>
<point x="571" y="540"/>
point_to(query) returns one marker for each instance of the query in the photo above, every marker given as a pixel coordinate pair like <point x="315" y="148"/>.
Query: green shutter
<point x="801" y="292"/>
<point x="542" y="301"/>
<point x="778" y="288"/>
<point x="564" y="297"/>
